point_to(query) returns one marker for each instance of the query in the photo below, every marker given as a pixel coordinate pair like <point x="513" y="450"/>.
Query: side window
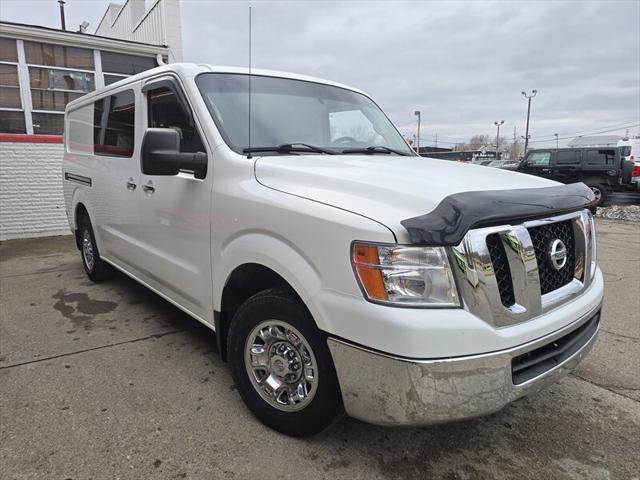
<point x="539" y="159"/>
<point x="114" y="125"/>
<point x="165" y="111"/>
<point x="79" y="137"/>
<point x="570" y="157"/>
<point x="600" y="157"/>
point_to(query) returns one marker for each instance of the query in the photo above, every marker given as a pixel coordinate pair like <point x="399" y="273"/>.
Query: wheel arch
<point x="243" y="282"/>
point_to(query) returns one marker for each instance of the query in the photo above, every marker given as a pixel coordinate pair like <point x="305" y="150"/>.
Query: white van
<point x="631" y="152"/>
<point x="339" y="270"/>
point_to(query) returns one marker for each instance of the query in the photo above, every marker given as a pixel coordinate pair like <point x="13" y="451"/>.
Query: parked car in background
<point x="339" y="270"/>
<point x="603" y="169"/>
<point x="631" y="152"/>
<point x="510" y="165"/>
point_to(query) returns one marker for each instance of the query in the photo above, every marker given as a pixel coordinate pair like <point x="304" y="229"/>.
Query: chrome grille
<point x="501" y="268"/>
<point x="504" y="272"/>
<point x="541" y="237"/>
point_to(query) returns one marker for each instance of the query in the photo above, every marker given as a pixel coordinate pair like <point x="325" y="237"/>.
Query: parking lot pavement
<point x="110" y="381"/>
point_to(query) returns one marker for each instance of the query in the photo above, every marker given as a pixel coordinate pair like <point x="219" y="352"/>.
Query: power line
<point x="573" y="136"/>
<point x="615" y="126"/>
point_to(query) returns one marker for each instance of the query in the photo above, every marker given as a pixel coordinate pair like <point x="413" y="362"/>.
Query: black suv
<point x="603" y="169"/>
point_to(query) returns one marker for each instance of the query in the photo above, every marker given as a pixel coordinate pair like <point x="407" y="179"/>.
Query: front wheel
<point x="282" y="366"/>
<point x="600" y="192"/>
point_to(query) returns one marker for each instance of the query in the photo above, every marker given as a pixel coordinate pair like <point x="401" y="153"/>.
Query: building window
<point x="9" y="87"/>
<point x="114" y="125"/>
<point x="126" y="64"/>
<point x="8" y="51"/>
<point x="47" y="123"/>
<point x="12" y="122"/>
<point x="109" y="79"/>
<point x="52" y="89"/>
<point x="58" y="56"/>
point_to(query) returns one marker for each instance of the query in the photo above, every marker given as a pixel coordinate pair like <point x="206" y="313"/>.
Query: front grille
<point x="536" y="362"/>
<point x="542" y="237"/>
<point x="501" y="269"/>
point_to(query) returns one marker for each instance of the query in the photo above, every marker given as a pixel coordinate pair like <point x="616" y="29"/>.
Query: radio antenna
<point x="249" y="149"/>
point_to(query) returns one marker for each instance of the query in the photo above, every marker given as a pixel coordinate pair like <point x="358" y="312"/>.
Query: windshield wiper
<point x="374" y="149"/>
<point x="290" y="147"/>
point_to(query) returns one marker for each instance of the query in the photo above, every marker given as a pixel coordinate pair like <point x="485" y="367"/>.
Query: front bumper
<point x="387" y="390"/>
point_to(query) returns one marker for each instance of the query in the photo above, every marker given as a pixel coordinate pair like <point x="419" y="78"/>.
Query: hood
<point x="385" y="188"/>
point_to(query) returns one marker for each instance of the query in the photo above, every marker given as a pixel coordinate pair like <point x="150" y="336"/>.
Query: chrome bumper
<point x="386" y="390"/>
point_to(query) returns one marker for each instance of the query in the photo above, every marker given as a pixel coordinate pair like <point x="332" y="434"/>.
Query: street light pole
<point x="526" y="135"/>
<point x="498" y="124"/>
<point x="556" y="139"/>
<point x="417" y="114"/>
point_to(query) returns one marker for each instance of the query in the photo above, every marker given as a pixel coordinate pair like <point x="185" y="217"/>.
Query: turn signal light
<point x="364" y="257"/>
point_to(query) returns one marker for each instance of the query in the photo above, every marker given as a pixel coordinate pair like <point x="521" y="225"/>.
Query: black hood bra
<point x="456" y="214"/>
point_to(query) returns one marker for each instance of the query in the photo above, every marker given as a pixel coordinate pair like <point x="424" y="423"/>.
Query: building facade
<point x="41" y="70"/>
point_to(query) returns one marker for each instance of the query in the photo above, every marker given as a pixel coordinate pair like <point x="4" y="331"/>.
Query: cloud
<point x="462" y="63"/>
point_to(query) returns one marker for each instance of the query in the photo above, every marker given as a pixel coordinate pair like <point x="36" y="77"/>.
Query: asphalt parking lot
<point x="110" y="381"/>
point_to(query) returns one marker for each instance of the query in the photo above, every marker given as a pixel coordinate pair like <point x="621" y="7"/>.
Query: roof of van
<point x="189" y="70"/>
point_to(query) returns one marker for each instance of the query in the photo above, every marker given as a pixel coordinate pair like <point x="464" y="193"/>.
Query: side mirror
<point x="161" y="155"/>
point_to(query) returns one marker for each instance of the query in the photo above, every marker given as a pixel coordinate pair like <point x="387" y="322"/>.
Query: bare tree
<point x="478" y="141"/>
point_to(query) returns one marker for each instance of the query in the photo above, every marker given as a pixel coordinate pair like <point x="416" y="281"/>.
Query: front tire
<point x="281" y="365"/>
<point x="600" y="191"/>
<point x="95" y="268"/>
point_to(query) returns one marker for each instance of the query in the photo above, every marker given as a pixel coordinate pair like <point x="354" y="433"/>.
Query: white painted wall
<point x="160" y="25"/>
<point x="31" y="200"/>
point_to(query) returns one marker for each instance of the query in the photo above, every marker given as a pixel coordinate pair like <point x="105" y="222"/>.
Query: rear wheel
<point x="282" y="366"/>
<point x="95" y="268"/>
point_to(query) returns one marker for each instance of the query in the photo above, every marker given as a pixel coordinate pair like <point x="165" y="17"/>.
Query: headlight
<point x="404" y="276"/>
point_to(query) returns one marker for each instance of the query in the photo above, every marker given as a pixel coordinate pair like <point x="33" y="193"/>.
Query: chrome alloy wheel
<point x="281" y="365"/>
<point x="87" y="249"/>
<point x="597" y="192"/>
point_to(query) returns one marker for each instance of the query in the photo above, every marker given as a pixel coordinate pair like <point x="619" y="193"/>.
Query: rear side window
<point x="540" y="159"/>
<point x="79" y="131"/>
<point x="600" y="157"/>
<point x="114" y="125"/>
<point x="165" y="111"/>
<point x="568" y="158"/>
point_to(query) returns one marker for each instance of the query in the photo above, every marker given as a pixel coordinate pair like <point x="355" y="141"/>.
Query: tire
<point x="601" y="192"/>
<point x="264" y="323"/>
<point x="627" y="171"/>
<point x="95" y="268"/>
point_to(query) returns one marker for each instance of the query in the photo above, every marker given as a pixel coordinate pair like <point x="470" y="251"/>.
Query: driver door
<point x="175" y="211"/>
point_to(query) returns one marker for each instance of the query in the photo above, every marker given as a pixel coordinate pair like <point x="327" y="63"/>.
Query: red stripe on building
<point x="22" y="138"/>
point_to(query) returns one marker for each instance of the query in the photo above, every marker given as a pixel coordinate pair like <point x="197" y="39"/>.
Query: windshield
<point x="289" y="112"/>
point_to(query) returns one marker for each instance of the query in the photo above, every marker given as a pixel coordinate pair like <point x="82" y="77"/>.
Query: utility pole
<point x="436" y="139"/>
<point x="526" y="135"/>
<point x="556" y="135"/>
<point x="417" y="114"/>
<point x="514" y="148"/>
<point x="498" y="124"/>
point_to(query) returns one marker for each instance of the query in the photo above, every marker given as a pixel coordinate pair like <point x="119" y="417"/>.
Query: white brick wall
<point x="31" y="200"/>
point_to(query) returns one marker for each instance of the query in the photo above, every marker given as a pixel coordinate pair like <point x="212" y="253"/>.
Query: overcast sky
<point x="463" y="64"/>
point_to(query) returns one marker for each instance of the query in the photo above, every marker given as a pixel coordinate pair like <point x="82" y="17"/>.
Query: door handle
<point x="130" y="185"/>
<point x="148" y="188"/>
